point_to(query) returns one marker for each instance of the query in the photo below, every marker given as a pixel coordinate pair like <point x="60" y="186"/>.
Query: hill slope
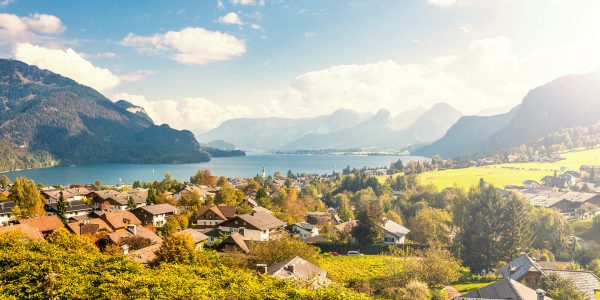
<point x="566" y="102"/>
<point x="53" y="117"/>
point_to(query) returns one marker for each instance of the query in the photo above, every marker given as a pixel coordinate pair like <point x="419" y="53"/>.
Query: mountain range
<point x="344" y="129"/>
<point x="567" y="102"/>
<point x="46" y="119"/>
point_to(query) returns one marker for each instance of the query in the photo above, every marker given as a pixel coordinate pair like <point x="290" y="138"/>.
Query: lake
<point x="243" y="166"/>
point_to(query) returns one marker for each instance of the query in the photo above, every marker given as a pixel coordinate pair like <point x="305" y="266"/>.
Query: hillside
<point x="54" y="119"/>
<point x="568" y="102"/>
<point x="379" y="132"/>
<point x="138" y="110"/>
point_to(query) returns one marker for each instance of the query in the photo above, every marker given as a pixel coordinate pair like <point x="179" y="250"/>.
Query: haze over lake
<point x="245" y="166"/>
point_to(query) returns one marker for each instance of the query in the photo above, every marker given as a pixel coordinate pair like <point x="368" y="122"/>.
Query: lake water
<point x="244" y="166"/>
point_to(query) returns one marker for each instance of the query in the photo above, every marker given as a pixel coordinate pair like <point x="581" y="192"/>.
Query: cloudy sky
<point x="193" y="64"/>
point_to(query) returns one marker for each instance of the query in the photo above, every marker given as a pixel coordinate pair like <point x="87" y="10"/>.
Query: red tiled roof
<point x="43" y="224"/>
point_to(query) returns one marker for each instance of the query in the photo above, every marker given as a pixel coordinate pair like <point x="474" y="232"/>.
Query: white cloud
<point x="106" y="55"/>
<point x="220" y="5"/>
<point x="137" y="75"/>
<point x="248" y="2"/>
<point x="255" y="26"/>
<point x="448" y="3"/>
<point x="309" y="34"/>
<point x="193" y="45"/>
<point x="195" y="113"/>
<point x="5" y="3"/>
<point x="28" y="29"/>
<point x="67" y="63"/>
<point x="231" y="18"/>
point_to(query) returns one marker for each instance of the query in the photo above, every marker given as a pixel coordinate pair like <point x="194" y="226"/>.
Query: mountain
<point x="406" y="118"/>
<point x="51" y="118"/>
<point x="567" y="102"/>
<point x="272" y="133"/>
<point x="221" y="144"/>
<point x="378" y="132"/>
<point x="138" y="110"/>
<point x="466" y="136"/>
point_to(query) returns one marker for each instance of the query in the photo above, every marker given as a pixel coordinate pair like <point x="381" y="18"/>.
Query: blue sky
<point x="193" y="64"/>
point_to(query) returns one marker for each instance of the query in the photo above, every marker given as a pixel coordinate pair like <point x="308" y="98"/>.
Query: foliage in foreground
<point x="58" y="270"/>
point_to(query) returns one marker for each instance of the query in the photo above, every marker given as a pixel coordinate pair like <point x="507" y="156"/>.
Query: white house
<point x="6" y="212"/>
<point x="304" y="230"/>
<point x="394" y="233"/>
<point x="257" y="227"/>
<point x="155" y="215"/>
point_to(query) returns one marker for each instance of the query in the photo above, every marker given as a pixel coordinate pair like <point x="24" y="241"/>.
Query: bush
<point x="274" y="251"/>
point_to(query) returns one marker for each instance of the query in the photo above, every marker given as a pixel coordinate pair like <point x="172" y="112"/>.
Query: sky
<point x="193" y="64"/>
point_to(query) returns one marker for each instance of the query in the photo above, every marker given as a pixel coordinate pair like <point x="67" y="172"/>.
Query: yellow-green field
<point x="344" y="269"/>
<point x="509" y="174"/>
<point x="468" y="177"/>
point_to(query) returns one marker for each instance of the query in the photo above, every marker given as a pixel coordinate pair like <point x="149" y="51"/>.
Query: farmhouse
<point x="155" y="215"/>
<point x="256" y="227"/>
<point x="299" y="270"/>
<point x="304" y="230"/>
<point x="6" y="212"/>
<point x="211" y="216"/>
<point x="505" y="289"/>
<point x="394" y="233"/>
<point x="74" y="208"/>
<point x="44" y="225"/>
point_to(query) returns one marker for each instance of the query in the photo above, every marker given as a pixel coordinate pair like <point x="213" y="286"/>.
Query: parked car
<point x="333" y="253"/>
<point x="354" y="253"/>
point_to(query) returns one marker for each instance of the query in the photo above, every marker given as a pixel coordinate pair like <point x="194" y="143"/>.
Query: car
<point x="333" y="253"/>
<point x="354" y="253"/>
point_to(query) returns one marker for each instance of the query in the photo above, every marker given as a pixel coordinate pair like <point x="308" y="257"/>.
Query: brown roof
<point x="262" y="221"/>
<point x="116" y="236"/>
<point x="222" y="211"/>
<point x="43" y="224"/>
<point x="120" y="219"/>
<point x="145" y="255"/>
<point x="196" y="235"/>
<point x="76" y="227"/>
<point x="26" y="229"/>
<point x="235" y="239"/>
<point x="159" y="209"/>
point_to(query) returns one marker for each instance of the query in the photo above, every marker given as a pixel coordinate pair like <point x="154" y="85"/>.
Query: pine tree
<point x="61" y="208"/>
<point x="151" y="199"/>
<point x="130" y="203"/>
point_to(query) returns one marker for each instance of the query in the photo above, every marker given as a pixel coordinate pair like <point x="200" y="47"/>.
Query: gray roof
<point x="6" y="207"/>
<point x="196" y="235"/>
<point x="262" y="221"/>
<point x="159" y="209"/>
<point x="585" y="281"/>
<point x="72" y="206"/>
<point x="519" y="266"/>
<point x="395" y="228"/>
<point x="305" y="225"/>
<point x="505" y="288"/>
<point x="303" y="271"/>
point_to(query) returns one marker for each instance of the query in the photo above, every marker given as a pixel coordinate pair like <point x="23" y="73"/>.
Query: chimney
<point x="261" y="269"/>
<point x="541" y="295"/>
<point x="290" y="268"/>
<point x="125" y="249"/>
<point x="132" y="229"/>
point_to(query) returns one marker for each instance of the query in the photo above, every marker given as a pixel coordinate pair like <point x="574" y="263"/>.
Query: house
<point x="394" y="233"/>
<point x="505" y="288"/>
<point x="45" y="225"/>
<point x="531" y="184"/>
<point x="29" y="231"/>
<point x="198" y="237"/>
<point x="119" y="219"/>
<point x="6" y="215"/>
<point x="318" y="218"/>
<point x="144" y="255"/>
<point x="304" y="230"/>
<point x="52" y="195"/>
<point x="89" y="226"/>
<point x="260" y="209"/>
<point x="255" y="227"/>
<point x="565" y="202"/>
<point x="114" y="200"/>
<point x="210" y="216"/>
<point x="527" y="271"/>
<point x="589" y="172"/>
<point x="74" y="208"/>
<point x="155" y="215"/>
<point x="119" y="237"/>
<point x="234" y="241"/>
<point x="299" y="270"/>
<point x="203" y="192"/>
<point x="212" y="233"/>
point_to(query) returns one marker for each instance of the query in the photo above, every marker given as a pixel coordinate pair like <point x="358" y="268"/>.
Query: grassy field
<point x="468" y="287"/>
<point x="469" y="177"/>
<point x="512" y="173"/>
<point x="586" y="230"/>
<point x="344" y="269"/>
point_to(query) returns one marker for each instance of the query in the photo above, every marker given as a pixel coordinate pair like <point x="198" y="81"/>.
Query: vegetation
<point x="560" y="288"/>
<point x="28" y="200"/>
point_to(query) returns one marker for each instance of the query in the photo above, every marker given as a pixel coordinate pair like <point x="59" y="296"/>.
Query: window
<point x="389" y="240"/>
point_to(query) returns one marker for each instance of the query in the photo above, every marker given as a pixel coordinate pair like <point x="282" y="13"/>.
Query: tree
<point x="4" y="181"/>
<point x="27" y="198"/>
<point x="130" y="203"/>
<point x="490" y="227"/>
<point x="274" y="251"/>
<point x="203" y="177"/>
<point x="177" y="249"/>
<point x="137" y="184"/>
<point x="369" y="229"/>
<point x="135" y="242"/>
<point x="414" y="290"/>
<point x="431" y="226"/>
<point x="436" y="267"/>
<point x="151" y="198"/>
<point x="228" y="196"/>
<point x="61" y="208"/>
<point x="559" y="288"/>
<point x="550" y="230"/>
<point x="344" y="208"/>
<point x="98" y="184"/>
<point x="594" y="266"/>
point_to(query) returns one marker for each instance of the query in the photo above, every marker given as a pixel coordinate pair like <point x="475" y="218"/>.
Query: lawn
<point x="344" y="269"/>
<point x="586" y="230"/>
<point x="572" y="161"/>
<point x="468" y="287"/>
<point x="468" y="177"/>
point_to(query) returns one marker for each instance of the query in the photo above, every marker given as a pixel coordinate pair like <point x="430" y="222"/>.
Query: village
<point x="226" y="215"/>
